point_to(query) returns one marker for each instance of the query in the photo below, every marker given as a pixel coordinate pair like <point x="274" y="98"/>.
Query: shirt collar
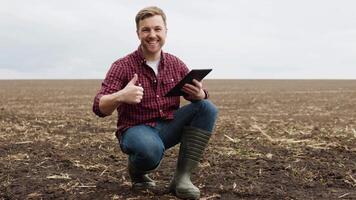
<point x="142" y="59"/>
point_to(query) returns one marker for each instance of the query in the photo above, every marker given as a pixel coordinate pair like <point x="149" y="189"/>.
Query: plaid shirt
<point x="154" y="105"/>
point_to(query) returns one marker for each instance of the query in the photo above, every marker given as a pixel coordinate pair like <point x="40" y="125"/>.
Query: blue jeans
<point x="145" y="145"/>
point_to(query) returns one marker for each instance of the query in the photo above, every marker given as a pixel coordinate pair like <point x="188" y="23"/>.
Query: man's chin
<point x="152" y="50"/>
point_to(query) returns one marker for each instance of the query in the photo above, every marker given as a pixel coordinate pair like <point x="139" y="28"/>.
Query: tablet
<point x="197" y="74"/>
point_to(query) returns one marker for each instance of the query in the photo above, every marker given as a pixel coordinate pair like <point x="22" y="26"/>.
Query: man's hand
<point x="131" y="94"/>
<point x="194" y="91"/>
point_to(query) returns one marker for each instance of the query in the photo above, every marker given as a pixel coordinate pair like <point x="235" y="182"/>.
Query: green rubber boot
<point x="140" y="179"/>
<point x="192" y="146"/>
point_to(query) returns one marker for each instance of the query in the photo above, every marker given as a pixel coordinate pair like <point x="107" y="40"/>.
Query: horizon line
<point x="49" y="79"/>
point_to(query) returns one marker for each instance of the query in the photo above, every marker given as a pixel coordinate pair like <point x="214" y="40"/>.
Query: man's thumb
<point x="133" y="80"/>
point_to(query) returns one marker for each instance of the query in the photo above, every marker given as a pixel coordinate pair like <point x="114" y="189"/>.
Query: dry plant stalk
<point x="230" y="138"/>
<point x="344" y="195"/>
<point x="211" y="197"/>
<point x="269" y="138"/>
<point x="61" y="176"/>
<point x="354" y="132"/>
<point x="352" y="178"/>
<point x="24" y="142"/>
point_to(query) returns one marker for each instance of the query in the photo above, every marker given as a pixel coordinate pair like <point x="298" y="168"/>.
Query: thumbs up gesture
<point x="132" y="94"/>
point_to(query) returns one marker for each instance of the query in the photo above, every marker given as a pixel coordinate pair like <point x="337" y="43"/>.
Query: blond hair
<point x="149" y="12"/>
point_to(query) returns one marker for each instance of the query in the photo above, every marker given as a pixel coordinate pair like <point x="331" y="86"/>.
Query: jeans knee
<point x="208" y="108"/>
<point x="150" y="157"/>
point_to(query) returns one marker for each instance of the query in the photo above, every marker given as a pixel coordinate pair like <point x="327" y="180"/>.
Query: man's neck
<point x="152" y="57"/>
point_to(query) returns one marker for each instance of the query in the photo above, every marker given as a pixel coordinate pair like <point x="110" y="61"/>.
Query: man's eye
<point x="158" y="29"/>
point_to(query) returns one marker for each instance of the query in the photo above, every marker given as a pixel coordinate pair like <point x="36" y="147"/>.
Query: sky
<point x="240" y="39"/>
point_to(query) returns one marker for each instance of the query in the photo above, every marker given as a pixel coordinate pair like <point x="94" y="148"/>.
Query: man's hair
<point x="149" y="12"/>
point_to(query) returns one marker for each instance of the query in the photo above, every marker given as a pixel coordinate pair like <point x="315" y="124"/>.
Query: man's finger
<point x="197" y="83"/>
<point x="133" y="80"/>
<point x="192" y="87"/>
<point x="189" y="91"/>
<point x="138" y="88"/>
<point x="139" y="93"/>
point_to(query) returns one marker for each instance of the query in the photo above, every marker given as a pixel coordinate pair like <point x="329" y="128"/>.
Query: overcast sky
<point x="238" y="39"/>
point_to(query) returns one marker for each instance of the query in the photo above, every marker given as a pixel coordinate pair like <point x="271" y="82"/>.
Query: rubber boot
<point x="140" y="179"/>
<point x="192" y="146"/>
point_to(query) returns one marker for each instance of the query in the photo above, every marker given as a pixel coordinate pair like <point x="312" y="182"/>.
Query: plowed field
<point x="274" y="139"/>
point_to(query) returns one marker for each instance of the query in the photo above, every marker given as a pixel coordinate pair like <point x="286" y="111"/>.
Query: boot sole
<point x="143" y="186"/>
<point x="187" y="194"/>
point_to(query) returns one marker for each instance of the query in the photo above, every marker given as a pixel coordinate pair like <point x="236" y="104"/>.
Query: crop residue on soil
<point x="274" y="139"/>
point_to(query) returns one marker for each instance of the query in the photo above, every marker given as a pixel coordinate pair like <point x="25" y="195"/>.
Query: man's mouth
<point x="152" y="43"/>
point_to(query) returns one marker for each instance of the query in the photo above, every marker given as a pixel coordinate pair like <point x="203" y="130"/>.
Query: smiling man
<point x="149" y="123"/>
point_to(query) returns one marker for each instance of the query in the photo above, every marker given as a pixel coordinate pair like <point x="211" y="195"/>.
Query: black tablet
<point x="197" y="74"/>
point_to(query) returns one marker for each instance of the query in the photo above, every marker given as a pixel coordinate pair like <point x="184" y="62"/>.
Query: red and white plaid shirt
<point x="154" y="105"/>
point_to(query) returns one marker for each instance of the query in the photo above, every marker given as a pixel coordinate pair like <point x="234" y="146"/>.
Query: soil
<point x="274" y="139"/>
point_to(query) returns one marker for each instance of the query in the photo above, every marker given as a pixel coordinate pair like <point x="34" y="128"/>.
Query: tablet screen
<point x="197" y="74"/>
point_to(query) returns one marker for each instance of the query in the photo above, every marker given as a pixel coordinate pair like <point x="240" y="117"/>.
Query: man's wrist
<point x="203" y="94"/>
<point x="206" y="95"/>
<point x="118" y="98"/>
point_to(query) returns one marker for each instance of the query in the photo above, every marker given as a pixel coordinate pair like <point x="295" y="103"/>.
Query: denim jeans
<point x="145" y="145"/>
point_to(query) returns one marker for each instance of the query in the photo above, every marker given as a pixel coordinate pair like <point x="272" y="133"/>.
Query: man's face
<point x="152" y="34"/>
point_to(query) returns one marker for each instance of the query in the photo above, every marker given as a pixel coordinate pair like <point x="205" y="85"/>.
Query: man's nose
<point x="152" y="33"/>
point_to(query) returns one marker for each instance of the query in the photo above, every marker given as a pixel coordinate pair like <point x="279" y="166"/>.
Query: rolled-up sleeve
<point x="112" y="83"/>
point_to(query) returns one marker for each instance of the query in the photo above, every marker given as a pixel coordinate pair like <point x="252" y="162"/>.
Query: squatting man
<point x="149" y="123"/>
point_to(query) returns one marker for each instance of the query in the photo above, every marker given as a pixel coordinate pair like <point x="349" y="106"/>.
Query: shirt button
<point x="157" y="96"/>
<point x="154" y="80"/>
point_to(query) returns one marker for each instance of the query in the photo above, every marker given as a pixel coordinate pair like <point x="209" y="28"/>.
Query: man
<point x="149" y="123"/>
